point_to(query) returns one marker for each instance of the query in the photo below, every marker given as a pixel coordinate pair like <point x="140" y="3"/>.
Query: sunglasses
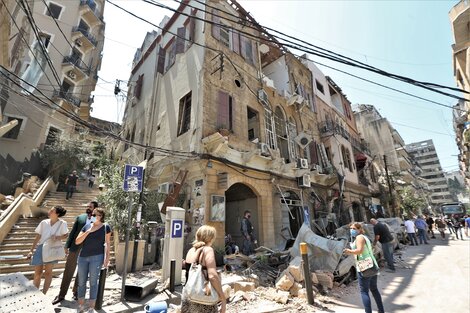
<point x="94" y="215"/>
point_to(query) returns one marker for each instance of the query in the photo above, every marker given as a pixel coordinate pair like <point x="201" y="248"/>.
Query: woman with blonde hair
<point x="362" y="249"/>
<point x="202" y="251"/>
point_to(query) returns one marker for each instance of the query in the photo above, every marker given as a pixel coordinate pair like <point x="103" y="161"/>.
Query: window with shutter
<point x="192" y="30"/>
<point x="184" y="118"/>
<point x="225" y="36"/>
<point x="171" y="54"/>
<point x="247" y="50"/>
<point x="313" y="152"/>
<point x="236" y="42"/>
<point x="224" y="112"/>
<point x="161" y="60"/>
<point x="180" y="40"/>
<point x="269" y="128"/>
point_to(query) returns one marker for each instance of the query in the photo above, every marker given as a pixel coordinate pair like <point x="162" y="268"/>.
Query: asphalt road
<point x="438" y="281"/>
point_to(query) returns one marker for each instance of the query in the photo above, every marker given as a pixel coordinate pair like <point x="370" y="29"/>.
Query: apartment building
<point x="425" y="155"/>
<point x="388" y="149"/>
<point x="71" y="35"/>
<point x="460" y="24"/>
<point x="239" y="114"/>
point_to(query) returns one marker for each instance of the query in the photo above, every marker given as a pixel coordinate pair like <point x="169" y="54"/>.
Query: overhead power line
<point x="319" y="51"/>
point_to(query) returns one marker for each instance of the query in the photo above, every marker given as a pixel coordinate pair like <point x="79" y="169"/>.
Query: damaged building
<point x="237" y="112"/>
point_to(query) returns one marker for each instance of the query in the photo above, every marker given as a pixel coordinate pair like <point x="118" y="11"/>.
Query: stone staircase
<point x="18" y="242"/>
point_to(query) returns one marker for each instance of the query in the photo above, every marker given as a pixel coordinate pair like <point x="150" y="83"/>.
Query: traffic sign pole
<point x="126" y="251"/>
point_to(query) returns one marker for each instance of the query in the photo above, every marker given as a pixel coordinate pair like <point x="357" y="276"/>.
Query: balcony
<point x="67" y="97"/>
<point x="329" y="128"/>
<point x="90" y="13"/>
<point x="83" y="38"/>
<point x="75" y="68"/>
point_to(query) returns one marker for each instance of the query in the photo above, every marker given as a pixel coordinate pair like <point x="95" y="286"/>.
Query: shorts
<point x="37" y="257"/>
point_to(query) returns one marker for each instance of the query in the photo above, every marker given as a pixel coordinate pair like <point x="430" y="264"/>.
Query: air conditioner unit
<point x="164" y="188"/>
<point x="78" y="42"/>
<point x="304" y="180"/>
<point x="302" y="163"/>
<point x="297" y="99"/>
<point x="303" y="140"/>
<point x="263" y="97"/>
<point x="264" y="149"/>
<point x="72" y="75"/>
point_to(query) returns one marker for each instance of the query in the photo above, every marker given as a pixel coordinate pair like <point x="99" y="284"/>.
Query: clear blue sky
<point x="409" y="38"/>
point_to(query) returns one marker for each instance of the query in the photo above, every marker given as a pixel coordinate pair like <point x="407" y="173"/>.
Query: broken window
<point x="281" y="134"/>
<point x="292" y="129"/>
<point x="138" y="86"/>
<point x="225" y="111"/>
<point x="346" y="156"/>
<point x="45" y="39"/>
<point x="15" y="131"/>
<point x="269" y="128"/>
<point x="161" y="60"/>
<point x="225" y="36"/>
<point x="184" y="118"/>
<point x="53" y="136"/>
<point x="319" y="87"/>
<point x="171" y="53"/>
<point x="247" y="50"/>
<point x="180" y="40"/>
<point x="54" y="10"/>
<point x="253" y="124"/>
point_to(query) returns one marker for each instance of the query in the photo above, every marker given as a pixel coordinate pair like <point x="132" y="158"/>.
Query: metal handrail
<point x="72" y="59"/>
<point x="66" y="96"/>
<point x="86" y="33"/>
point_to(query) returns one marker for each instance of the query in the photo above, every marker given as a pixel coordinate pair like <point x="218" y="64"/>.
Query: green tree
<point x="410" y="201"/>
<point x="63" y="156"/>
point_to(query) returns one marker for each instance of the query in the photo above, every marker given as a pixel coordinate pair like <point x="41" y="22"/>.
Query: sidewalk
<point x="112" y="294"/>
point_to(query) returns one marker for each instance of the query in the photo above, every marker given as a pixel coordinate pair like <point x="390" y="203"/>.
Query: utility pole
<point x="389" y="185"/>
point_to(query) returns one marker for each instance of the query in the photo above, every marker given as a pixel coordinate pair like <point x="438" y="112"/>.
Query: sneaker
<point x="57" y="300"/>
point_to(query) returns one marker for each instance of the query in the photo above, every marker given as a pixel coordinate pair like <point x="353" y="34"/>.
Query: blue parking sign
<point x="176" y="228"/>
<point x="133" y="176"/>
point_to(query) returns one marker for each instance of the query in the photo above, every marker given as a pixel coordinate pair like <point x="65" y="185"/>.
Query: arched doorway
<point x="357" y="212"/>
<point x="239" y="198"/>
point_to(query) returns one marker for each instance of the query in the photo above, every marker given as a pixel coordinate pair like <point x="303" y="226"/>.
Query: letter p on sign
<point x="176" y="228"/>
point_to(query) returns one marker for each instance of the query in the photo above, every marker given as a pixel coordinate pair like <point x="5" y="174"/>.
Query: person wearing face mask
<point x="73" y="252"/>
<point x="95" y="239"/>
<point x="361" y="247"/>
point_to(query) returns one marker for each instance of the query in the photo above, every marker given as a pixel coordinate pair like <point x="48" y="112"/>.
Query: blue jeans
<point x="366" y="284"/>
<point x="92" y="265"/>
<point x="422" y="236"/>
<point x="387" y="249"/>
<point x="70" y="190"/>
<point x="412" y="238"/>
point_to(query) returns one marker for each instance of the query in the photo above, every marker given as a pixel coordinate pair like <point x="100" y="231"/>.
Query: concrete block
<point x="295" y="269"/>
<point x="294" y="290"/>
<point x="244" y="286"/>
<point x="285" y="281"/>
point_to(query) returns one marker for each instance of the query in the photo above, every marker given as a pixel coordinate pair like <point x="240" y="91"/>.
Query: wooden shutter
<point x="223" y="111"/>
<point x="243" y="40"/>
<point x="236" y="42"/>
<point x="313" y="152"/>
<point x="254" y="53"/>
<point x="180" y="39"/>
<point x="161" y="60"/>
<point x="215" y="26"/>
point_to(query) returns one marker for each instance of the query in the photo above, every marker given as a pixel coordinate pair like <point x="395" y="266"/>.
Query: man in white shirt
<point x="411" y="231"/>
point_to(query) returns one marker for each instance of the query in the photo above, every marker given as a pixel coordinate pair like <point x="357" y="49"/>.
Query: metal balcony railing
<point x="92" y="5"/>
<point x="332" y="127"/>
<point x="87" y="34"/>
<point x="67" y="97"/>
<point x="72" y="59"/>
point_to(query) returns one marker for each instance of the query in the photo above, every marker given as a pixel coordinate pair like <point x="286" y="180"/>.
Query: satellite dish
<point x="263" y="48"/>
